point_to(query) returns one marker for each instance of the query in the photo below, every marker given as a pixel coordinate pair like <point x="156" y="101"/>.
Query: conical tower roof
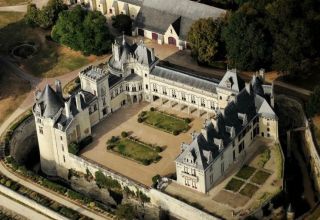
<point x="50" y="102"/>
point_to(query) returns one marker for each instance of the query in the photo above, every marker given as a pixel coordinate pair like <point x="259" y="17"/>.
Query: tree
<point x="204" y="38"/>
<point x="47" y="16"/>
<point x="313" y="105"/>
<point x="247" y="41"/>
<point x="123" y="23"/>
<point x="82" y="30"/>
<point x="125" y="211"/>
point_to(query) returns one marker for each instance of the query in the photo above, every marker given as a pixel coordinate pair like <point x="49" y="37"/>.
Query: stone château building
<point x="166" y="21"/>
<point x="236" y="111"/>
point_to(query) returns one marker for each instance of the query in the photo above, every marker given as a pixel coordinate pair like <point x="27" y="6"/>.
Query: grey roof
<point x="50" y="102"/>
<point x="185" y="78"/>
<point x="158" y="15"/>
<point x="232" y="78"/>
<point x="133" y="77"/>
<point x="113" y="80"/>
<point x="216" y="132"/>
<point x="266" y="110"/>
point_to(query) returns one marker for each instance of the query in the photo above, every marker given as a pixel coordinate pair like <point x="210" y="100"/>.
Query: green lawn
<point x="246" y="172"/>
<point x="264" y="157"/>
<point x="165" y="122"/>
<point x="135" y="150"/>
<point x="249" y="190"/>
<point x="234" y="185"/>
<point x="260" y="177"/>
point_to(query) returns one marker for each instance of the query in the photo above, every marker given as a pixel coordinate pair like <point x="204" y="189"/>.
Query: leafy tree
<point x="313" y="105"/>
<point x="45" y="17"/>
<point x="247" y="44"/>
<point x="125" y="211"/>
<point x="82" y="30"/>
<point x="205" y="41"/>
<point x="123" y="23"/>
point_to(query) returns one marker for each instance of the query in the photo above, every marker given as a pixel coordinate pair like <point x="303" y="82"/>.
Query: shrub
<point x="125" y="211"/>
<point x="73" y="148"/>
<point x="143" y="197"/>
<point x="146" y="162"/>
<point x="124" y="134"/>
<point x="8" y="183"/>
<point x="110" y="146"/>
<point x="113" y="140"/>
<point x="155" y="179"/>
<point x="158" y="149"/>
<point x="152" y="109"/>
<point x="175" y="132"/>
<point x="106" y="182"/>
<point x="140" y="120"/>
<point x="187" y="120"/>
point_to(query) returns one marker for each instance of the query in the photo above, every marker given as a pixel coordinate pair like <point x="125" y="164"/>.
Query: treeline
<point x="273" y="34"/>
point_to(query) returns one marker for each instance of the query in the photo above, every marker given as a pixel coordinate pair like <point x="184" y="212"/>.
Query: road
<point x="23" y="210"/>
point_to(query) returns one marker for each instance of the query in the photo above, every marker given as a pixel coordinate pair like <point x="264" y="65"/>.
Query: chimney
<point x="262" y="73"/>
<point x="58" y="87"/>
<point x="78" y="102"/>
<point x="67" y="109"/>
<point x="153" y="57"/>
<point x="248" y="88"/>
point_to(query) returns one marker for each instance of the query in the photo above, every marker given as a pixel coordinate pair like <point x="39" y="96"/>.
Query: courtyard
<point x="126" y="119"/>
<point x="245" y="185"/>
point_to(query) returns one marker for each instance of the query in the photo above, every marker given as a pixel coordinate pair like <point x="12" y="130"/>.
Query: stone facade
<point x="132" y="75"/>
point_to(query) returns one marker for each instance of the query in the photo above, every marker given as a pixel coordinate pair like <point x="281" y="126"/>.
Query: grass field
<point x="136" y="150"/>
<point x="249" y="190"/>
<point x="260" y="177"/>
<point x="13" y="91"/>
<point x="234" y="185"/>
<point x="165" y="122"/>
<point x="13" y="2"/>
<point x="51" y="59"/>
<point x="9" y="17"/>
<point x="246" y="172"/>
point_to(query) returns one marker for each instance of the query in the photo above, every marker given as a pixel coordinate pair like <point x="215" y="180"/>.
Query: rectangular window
<point x="174" y="95"/>
<point x="127" y="87"/>
<point x="164" y="91"/>
<point x="193" y="99"/>
<point x="41" y="130"/>
<point x="64" y="159"/>
<point x="183" y="96"/>
<point x="203" y="102"/>
<point x="186" y="169"/>
<point x="193" y="172"/>
<point x="146" y="87"/>
<point x="62" y="147"/>
<point x="61" y="138"/>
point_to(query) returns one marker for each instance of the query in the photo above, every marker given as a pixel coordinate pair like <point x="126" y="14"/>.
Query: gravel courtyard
<point x="125" y="119"/>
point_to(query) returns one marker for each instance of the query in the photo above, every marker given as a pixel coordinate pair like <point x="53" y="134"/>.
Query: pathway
<point x="14" y="8"/>
<point x="23" y="210"/>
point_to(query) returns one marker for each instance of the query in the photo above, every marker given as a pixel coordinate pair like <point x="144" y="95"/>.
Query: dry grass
<point x="13" y="91"/>
<point x="13" y="2"/>
<point x="9" y="17"/>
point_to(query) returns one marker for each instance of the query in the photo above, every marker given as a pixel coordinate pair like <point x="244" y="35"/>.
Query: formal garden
<point x="135" y="149"/>
<point x="249" y="179"/>
<point x="164" y="121"/>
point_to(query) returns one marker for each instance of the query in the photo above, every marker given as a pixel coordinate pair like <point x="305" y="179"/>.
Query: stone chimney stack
<point x="67" y="109"/>
<point x="58" y="87"/>
<point x="78" y="102"/>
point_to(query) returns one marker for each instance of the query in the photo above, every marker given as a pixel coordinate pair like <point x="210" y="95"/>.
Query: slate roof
<point x="157" y="16"/>
<point x="94" y="72"/>
<point x="231" y="77"/>
<point x="50" y="102"/>
<point x="185" y="78"/>
<point x="215" y="132"/>
<point x="133" y="2"/>
<point x="113" y="80"/>
<point x="133" y="77"/>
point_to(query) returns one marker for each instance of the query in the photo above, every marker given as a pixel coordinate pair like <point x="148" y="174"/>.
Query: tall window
<point x="193" y="99"/>
<point x="41" y="130"/>
<point x="183" y="96"/>
<point x="155" y="88"/>
<point x="203" y="104"/>
<point x="174" y="95"/>
<point x="164" y="90"/>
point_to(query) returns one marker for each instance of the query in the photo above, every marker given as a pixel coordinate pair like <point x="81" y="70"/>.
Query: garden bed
<point x="234" y="185"/>
<point x="260" y="177"/>
<point x="249" y="190"/>
<point x="246" y="172"/>
<point x="134" y="149"/>
<point x="164" y="121"/>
